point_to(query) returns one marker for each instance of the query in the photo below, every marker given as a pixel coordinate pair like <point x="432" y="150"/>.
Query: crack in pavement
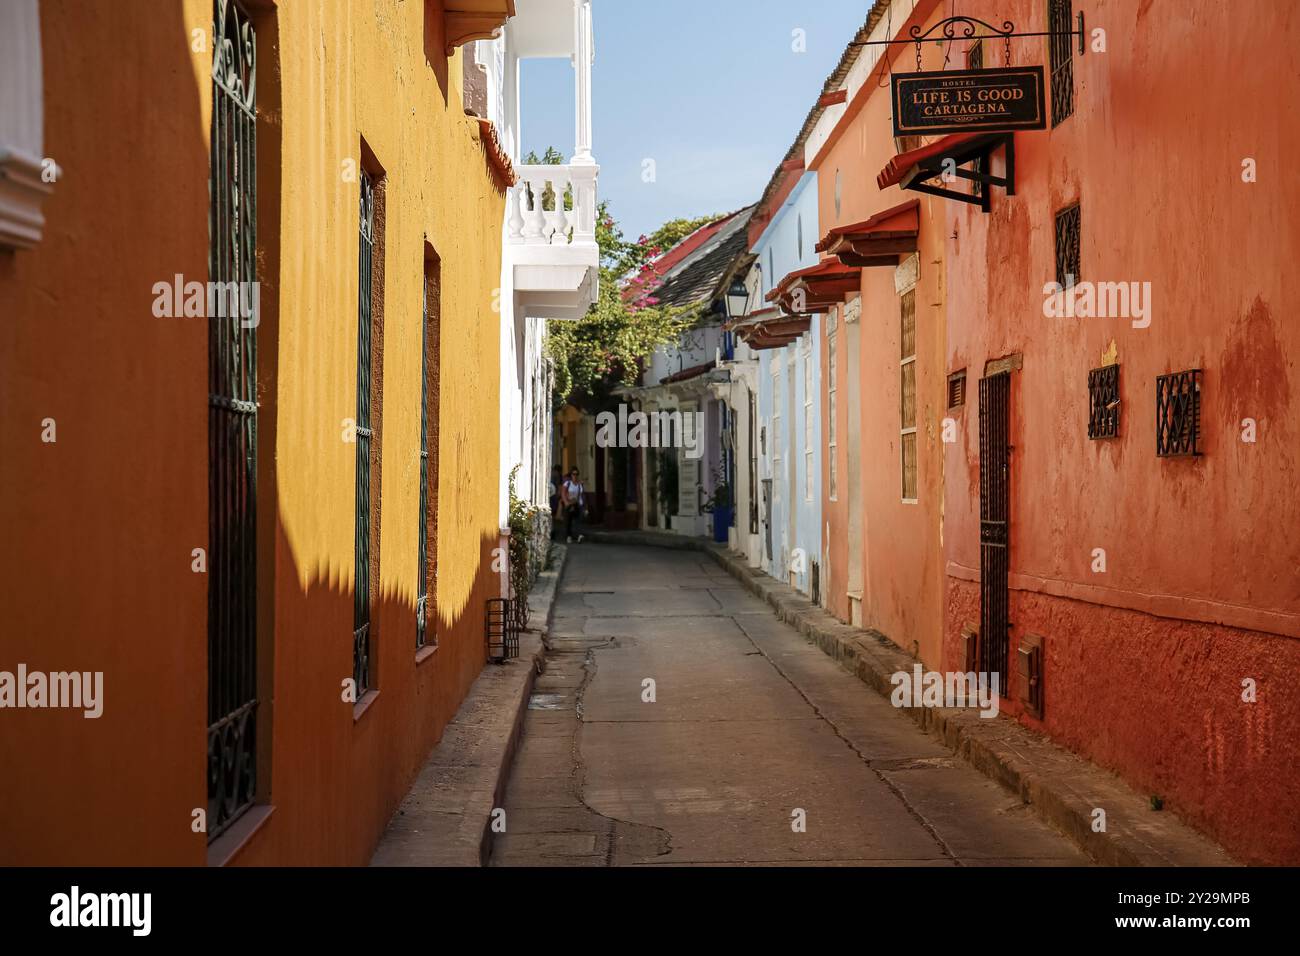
<point x="916" y="814"/>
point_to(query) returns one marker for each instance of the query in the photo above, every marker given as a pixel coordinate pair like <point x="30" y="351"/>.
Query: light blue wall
<point x="780" y="251"/>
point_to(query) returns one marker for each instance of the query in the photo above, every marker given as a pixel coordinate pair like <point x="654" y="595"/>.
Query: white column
<point x="583" y="53"/>
<point x="24" y="183"/>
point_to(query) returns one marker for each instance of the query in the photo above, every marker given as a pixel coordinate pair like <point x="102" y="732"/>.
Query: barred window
<point x="1103" y="402"/>
<point x="907" y="393"/>
<point x="369" y="388"/>
<point x="1068" y="228"/>
<point x="427" y="529"/>
<point x="1060" y="18"/>
<point x="232" y="427"/>
<point x="1178" y="414"/>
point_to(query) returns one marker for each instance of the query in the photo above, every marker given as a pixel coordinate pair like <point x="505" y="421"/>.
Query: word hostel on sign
<point x="969" y="101"/>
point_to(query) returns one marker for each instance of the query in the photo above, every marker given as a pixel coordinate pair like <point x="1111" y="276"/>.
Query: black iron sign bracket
<point x="966" y="28"/>
<point x="918" y="178"/>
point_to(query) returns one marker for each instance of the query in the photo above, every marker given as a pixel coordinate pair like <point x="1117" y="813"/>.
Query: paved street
<point x="749" y="725"/>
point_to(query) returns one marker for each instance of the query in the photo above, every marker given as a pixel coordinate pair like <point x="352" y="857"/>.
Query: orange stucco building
<point x="127" y="503"/>
<point x="1115" y="538"/>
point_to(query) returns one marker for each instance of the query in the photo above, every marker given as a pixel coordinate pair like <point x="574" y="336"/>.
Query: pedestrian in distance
<point x="573" y="498"/>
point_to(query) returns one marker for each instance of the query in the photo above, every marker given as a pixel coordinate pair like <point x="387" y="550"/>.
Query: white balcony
<point x="551" y="239"/>
<point x="550" y="229"/>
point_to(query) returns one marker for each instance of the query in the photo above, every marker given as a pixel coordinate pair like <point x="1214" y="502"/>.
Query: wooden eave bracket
<point x="465" y="26"/>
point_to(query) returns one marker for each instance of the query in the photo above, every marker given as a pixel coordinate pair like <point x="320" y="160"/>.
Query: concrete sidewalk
<point x="1062" y="788"/>
<point x="445" y="818"/>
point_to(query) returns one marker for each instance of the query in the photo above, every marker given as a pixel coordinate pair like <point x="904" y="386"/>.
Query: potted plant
<point x="720" y="505"/>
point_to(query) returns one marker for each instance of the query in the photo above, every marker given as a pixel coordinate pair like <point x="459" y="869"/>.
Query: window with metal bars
<point x="1103" y="402"/>
<point x="907" y="394"/>
<point x="1060" y="17"/>
<point x="232" y="427"/>
<point x="427" y="531"/>
<point x="369" y="326"/>
<point x="1068" y="227"/>
<point x="1178" y="414"/>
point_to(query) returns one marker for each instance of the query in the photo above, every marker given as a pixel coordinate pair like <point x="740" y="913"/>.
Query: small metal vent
<point x="1030" y="660"/>
<point x="1103" y="402"/>
<point x="1178" y="414"/>
<point x="957" y="389"/>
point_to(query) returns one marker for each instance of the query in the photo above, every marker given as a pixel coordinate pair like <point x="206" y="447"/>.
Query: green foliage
<point x="721" y="497"/>
<point x="525" y="560"/>
<point x="604" y="350"/>
<point x="552" y="157"/>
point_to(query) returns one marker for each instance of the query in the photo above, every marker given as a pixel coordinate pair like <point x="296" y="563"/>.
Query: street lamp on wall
<point x="737" y="298"/>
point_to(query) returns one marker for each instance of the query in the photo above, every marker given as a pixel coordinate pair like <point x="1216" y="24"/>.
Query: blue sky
<point x="711" y="90"/>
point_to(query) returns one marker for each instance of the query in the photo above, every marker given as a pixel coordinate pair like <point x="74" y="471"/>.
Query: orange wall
<point x="1154" y="154"/>
<point x="101" y="524"/>
<point x="900" y="543"/>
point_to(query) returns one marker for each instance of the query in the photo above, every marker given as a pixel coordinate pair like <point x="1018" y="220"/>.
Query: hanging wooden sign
<point x="969" y="101"/>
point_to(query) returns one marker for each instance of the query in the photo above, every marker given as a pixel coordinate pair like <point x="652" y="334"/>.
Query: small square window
<point x="1178" y="414"/>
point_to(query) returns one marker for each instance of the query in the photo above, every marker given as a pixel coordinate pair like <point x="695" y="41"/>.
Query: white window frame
<point x="778" y="399"/>
<point x="832" y="388"/>
<point x="808" y="436"/>
<point x="902" y="364"/>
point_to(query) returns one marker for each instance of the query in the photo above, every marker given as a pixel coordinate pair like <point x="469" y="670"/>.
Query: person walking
<point x="573" y="498"/>
<point x="557" y="479"/>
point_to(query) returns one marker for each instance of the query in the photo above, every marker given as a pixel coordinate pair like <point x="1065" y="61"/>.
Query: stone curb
<point x="1063" y="788"/>
<point x="445" y="819"/>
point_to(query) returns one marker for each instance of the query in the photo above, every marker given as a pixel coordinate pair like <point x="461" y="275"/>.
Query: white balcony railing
<point x="553" y="205"/>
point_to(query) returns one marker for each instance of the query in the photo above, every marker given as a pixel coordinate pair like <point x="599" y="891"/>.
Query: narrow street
<point x="749" y="725"/>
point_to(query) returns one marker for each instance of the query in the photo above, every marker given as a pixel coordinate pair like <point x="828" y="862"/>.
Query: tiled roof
<point x="698" y="279"/>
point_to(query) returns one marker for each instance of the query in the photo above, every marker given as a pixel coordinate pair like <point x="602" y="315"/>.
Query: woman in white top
<point x="574" y="502"/>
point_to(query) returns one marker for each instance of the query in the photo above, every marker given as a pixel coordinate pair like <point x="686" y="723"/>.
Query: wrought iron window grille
<point x="364" y="438"/>
<point x="232" y="427"/>
<point x="1068" y="229"/>
<point x="1061" y="58"/>
<point x="422" y="531"/>
<point x="1103" y="402"/>
<point x="995" y="517"/>
<point x="1178" y="414"/>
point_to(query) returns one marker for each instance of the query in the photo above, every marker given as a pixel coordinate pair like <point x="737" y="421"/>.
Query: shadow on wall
<point x="332" y="772"/>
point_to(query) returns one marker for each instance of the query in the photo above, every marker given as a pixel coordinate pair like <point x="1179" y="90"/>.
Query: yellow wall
<point x="100" y="525"/>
